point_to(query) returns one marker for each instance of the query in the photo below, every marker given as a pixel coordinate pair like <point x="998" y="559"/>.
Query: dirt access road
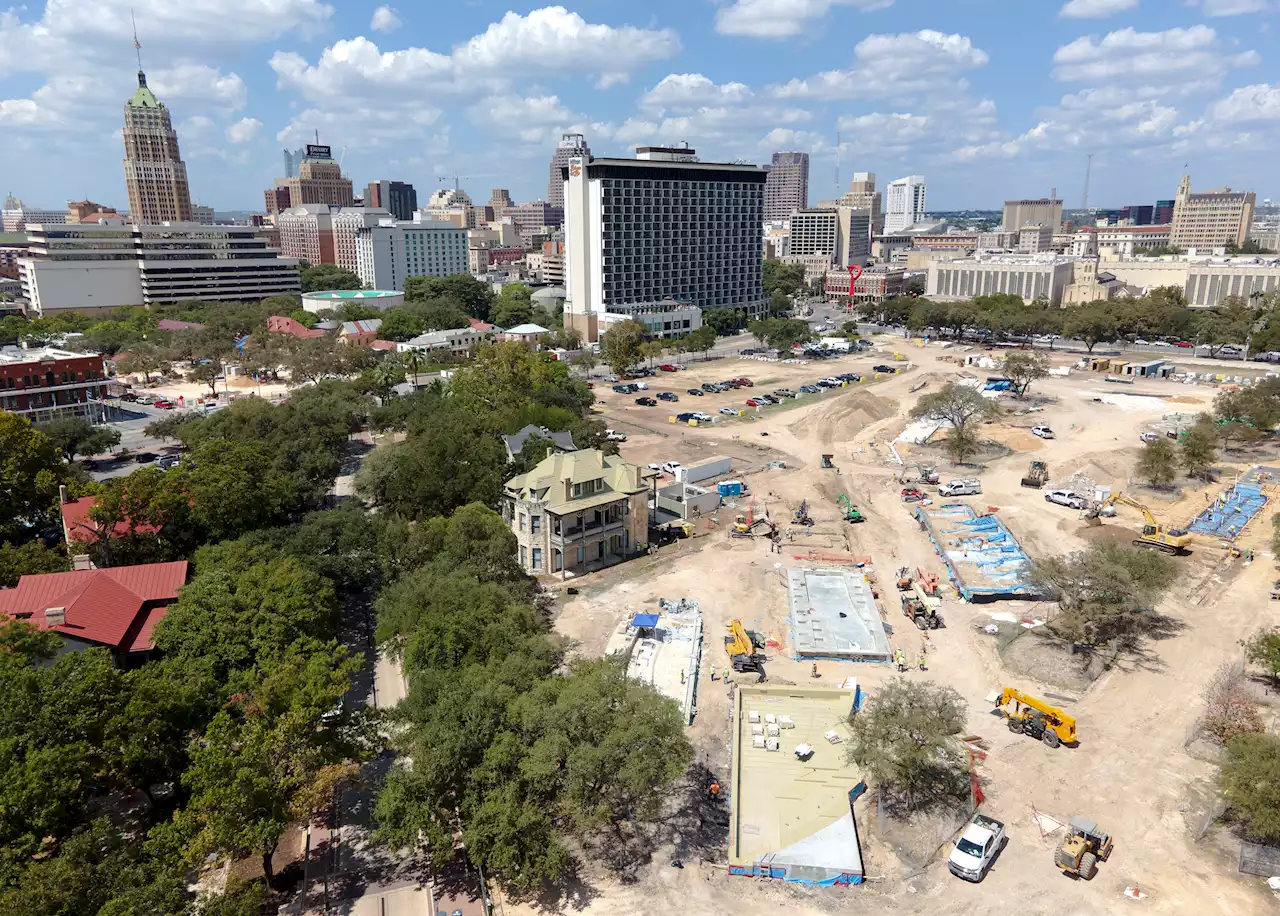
<point x="1130" y="771"/>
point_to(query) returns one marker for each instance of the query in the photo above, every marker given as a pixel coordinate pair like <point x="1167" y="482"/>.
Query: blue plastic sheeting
<point x="1227" y="515"/>
<point x="982" y="555"/>
<point x="647" y="621"/>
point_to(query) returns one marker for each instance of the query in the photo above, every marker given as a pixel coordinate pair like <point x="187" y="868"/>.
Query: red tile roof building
<point x="78" y="528"/>
<point x="116" y="608"/>
<point x="282" y="324"/>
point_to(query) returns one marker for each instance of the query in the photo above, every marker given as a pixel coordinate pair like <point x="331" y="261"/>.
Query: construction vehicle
<point x="802" y="516"/>
<point x="1082" y="849"/>
<point x="679" y="528"/>
<point x="1037" y="475"/>
<point x="912" y="495"/>
<point x="742" y="648"/>
<point x="1035" y="718"/>
<point x="851" y="513"/>
<point x="1154" y="535"/>
<point x="920" y="600"/>
<point x="918" y="473"/>
<point x="745" y="529"/>
<point x="827" y="463"/>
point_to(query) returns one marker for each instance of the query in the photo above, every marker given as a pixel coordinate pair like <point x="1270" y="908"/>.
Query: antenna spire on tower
<point x="1088" y="171"/>
<point x="137" y="46"/>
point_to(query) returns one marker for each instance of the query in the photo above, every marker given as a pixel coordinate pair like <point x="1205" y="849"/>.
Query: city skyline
<point x="990" y="102"/>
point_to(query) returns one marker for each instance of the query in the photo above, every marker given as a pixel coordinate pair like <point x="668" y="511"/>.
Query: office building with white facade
<point x="110" y="263"/>
<point x="1031" y="276"/>
<point x="1041" y="211"/>
<point x="661" y="228"/>
<point x="904" y="203"/>
<point x="389" y="253"/>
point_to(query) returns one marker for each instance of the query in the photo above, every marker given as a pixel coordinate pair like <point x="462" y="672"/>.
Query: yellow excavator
<point x="747" y="529"/>
<point x="741" y="648"/>
<point x="1031" y="716"/>
<point x="1154" y="535"/>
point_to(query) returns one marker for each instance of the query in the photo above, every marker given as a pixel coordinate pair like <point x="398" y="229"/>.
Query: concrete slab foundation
<point x="983" y="557"/>
<point x="834" y="615"/>
<point x="790" y="818"/>
<point x="665" y="653"/>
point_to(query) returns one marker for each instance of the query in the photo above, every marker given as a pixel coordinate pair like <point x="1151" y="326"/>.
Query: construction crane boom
<point x="457" y="180"/>
<point x="1088" y="173"/>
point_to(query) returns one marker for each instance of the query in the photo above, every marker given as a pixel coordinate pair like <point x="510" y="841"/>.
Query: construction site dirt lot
<point x="1130" y="772"/>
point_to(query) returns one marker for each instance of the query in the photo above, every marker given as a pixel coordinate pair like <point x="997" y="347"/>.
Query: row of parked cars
<point x="151" y="399"/>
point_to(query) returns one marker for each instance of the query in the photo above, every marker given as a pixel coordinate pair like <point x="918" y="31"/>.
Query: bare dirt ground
<point x="1130" y="771"/>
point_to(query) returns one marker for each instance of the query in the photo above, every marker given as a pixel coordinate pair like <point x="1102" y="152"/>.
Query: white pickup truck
<point x="977" y="847"/>
<point x="967" y="487"/>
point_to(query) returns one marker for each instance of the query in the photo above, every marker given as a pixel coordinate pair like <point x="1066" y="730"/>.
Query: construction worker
<point x="924" y="662"/>
<point x="901" y="658"/>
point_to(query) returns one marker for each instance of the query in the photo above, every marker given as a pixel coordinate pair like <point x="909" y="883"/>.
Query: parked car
<point x="696" y="392"/>
<point x="1149" y="437"/>
<point x="670" y="467"/>
<point x="849" y="377"/>
<point x="611" y="379"/>
<point x="128" y="396"/>
<point x="810" y="389"/>
<point x="710" y="388"/>
<point x="622" y="389"/>
<point x="667" y="396"/>
<point x="702" y="417"/>
<point x="1182" y="343"/>
<point x="1067" y="498"/>
<point x="145" y="398"/>
<point x="744" y="381"/>
<point x="684" y="417"/>
<point x="614" y="436"/>
<point x="966" y="487"/>
<point x="884" y="368"/>
<point x="730" y="412"/>
<point x="783" y="393"/>
<point x="145" y="457"/>
<point x="977" y="848"/>
<point x="1043" y="432"/>
<point x="667" y="367"/>
<point x="754" y="402"/>
<point x="163" y="404"/>
<point x="169" y="461"/>
<point x="646" y="402"/>
<point x="640" y="386"/>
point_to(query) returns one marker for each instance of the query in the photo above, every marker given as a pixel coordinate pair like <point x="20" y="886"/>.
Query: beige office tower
<point x="862" y="195"/>
<point x="154" y="174"/>
<point x="1211" y="219"/>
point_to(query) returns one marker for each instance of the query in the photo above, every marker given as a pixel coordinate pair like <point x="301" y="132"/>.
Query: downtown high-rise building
<point x="787" y="189"/>
<point x="293" y="159"/>
<point x="319" y="181"/>
<point x="1211" y="219"/>
<point x="661" y="238"/>
<point x="905" y="203"/>
<point x="571" y="146"/>
<point x="1039" y="211"/>
<point x="154" y="174"/>
<point x="396" y="197"/>
<point x="862" y="195"/>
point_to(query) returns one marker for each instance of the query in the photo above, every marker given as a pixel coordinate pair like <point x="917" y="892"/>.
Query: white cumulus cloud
<point x="1095" y="9"/>
<point x="385" y="20"/>
<point x="1232" y="7"/>
<point x="1248" y="104"/>
<point x="244" y="130"/>
<point x="781" y="18"/>
<point x="1174" y="55"/>
<point x="681" y="90"/>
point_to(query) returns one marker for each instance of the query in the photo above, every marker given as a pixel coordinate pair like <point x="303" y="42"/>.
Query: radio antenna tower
<point x="1088" y="171"/>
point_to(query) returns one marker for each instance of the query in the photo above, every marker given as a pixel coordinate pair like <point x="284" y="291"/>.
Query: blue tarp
<point x="1228" y="515"/>
<point x="645" y="621"/>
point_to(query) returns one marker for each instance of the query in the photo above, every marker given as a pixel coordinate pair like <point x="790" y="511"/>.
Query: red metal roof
<point x="112" y="607"/>
<point x="78" y="528"/>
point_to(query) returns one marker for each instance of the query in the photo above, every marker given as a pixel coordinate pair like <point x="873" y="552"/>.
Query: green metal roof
<point x="143" y="97"/>
<point x="354" y="293"/>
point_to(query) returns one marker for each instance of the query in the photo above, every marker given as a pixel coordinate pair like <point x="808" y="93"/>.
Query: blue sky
<point x="987" y="99"/>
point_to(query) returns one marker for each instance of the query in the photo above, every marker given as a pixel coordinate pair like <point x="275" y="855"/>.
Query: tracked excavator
<point x="851" y="513"/>
<point x="745" y="529"/>
<point x="1154" y="535"/>
<point x="742" y="648"/>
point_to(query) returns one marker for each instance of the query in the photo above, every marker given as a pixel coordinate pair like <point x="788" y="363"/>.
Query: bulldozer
<point x="921" y="603"/>
<point x="851" y="513"/>
<point x="802" y="516"/>
<point x="1154" y="536"/>
<point x="1035" y="718"/>
<point x="1037" y="475"/>
<point x="1082" y="849"/>
<point x="742" y="648"/>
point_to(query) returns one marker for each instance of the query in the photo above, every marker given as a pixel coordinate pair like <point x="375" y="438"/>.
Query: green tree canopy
<point x="30" y="471"/>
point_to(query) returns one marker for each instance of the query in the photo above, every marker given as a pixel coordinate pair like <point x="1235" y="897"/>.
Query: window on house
<point x="535" y="524"/>
<point x="537" y="558"/>
<point x="522" y="521"/>
<point x="524" y="556"/>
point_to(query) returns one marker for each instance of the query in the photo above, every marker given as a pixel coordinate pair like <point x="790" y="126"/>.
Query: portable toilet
<point x="729" y="488"/>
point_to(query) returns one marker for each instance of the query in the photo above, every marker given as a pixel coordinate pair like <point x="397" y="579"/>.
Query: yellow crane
<point x="1154" y="535"/>
<point x="1034" y="717"/>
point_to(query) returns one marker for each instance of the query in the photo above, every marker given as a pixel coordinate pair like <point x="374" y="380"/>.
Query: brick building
<point x="45" y="383"/>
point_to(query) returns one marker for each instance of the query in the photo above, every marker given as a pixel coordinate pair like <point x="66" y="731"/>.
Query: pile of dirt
<point x="844" y="416"/>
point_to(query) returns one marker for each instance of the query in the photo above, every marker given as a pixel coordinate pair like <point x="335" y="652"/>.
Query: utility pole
<point x="1088" y="171"/>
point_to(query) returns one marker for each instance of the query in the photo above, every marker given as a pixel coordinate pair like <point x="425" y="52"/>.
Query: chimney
<point x="55" y="616"/>
<point x="62" y="494"/>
